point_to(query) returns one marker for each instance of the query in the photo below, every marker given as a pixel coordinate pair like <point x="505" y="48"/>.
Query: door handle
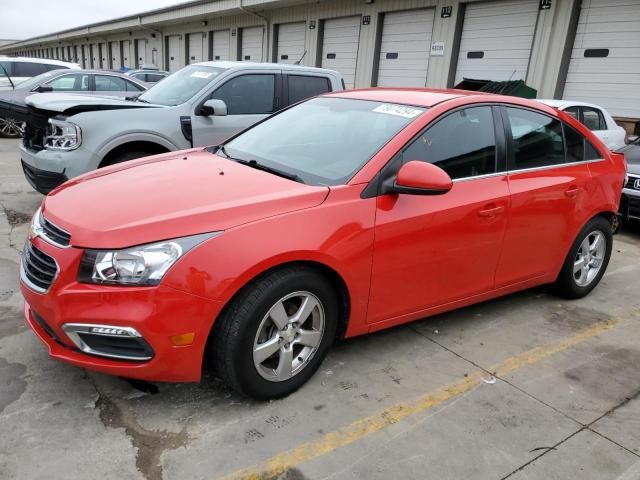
<point x="572" y="192"/>
<point x="491" y="211"/>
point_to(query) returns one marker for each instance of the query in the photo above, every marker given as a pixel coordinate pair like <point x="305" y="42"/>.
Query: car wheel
<point x="124" y="157"/>
<point x="10" y="128"/>
<point x="274" y="335"/>
<point x="616" y="223"/>
<point x="587" y="260"/>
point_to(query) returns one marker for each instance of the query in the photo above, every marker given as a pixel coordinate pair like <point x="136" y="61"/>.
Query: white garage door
<point x="86" y="54"/>
<point x="143" y="56"/>
<point x="127" y="55"/>
<point x="104" y="56"/>
<point x="496" y="40"/>
<point x="291" y="38"/>
<point x="116" y="61"/>
<point x="221" y="45"/>
<point x="605" y="61"/>
<point x="95" y="55"/>
<point x="176" y="56"/>
<point x="252" y="44"/>
<point x="404" y="50"/>
<point x="196" y="47"/>
<point x="340" y="47"/>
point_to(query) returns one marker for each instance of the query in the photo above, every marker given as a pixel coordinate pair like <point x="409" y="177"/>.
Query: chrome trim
<point x="486" y="175"/>
<point x="29" y="283"/>
<point x="37" y="230"/>
<point x="72" y="330"/>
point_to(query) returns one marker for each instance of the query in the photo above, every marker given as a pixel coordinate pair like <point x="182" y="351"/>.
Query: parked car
<point x="94" y="82"/>
<point x="14" y="70"/>
<point x="149" y="76"/>
<point x="345" y="214"/>
<point x="630" y="203"/>
<point x="595" y="118"/>
<point x="202" y="104"/>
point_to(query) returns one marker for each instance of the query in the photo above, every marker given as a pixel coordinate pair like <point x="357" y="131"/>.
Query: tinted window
<point x="590" y="152"/>
<point x="132" y="87"/>
<point x="48" y="67"/>
<point x="105" y="83"/>
<point x="154" y="77"/>
<point x="575" y="144"/>
<point x="593" y="119"/>
<point x="537" y="139"/>
<point x="574" y="112"/>
<point x="462" y="144"/>
<point x="28" y="69"/>
<point x="6" y="66"/>
<point x="301" y="87"/>
<point x="247" y="94"/>
<point x="77" y="82"/>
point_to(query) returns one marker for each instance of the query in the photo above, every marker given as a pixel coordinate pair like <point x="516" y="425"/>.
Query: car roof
<point x="252" y="65"/>
<point x="561" y="104"/>
<point x="46" y="61"/>
<point x="422" y="97"/>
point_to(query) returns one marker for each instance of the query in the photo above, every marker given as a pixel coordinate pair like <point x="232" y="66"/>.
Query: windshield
<point x="40" y="79"/>
<point x="324" y="141"/>
<point x="181" y="86"/>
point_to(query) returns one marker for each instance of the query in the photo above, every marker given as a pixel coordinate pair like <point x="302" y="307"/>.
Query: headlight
<point x="62" y="135"/>
<point x="142" y="265"/>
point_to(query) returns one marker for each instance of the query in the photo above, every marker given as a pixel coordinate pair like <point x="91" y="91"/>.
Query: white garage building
<point x="578" y="49"/>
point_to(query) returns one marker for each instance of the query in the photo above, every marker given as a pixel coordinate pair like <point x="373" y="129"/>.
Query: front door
<point x="432" y="250"/>
<point x="249" y="97"/>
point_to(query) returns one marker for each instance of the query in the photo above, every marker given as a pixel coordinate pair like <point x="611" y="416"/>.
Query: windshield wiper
<point x="138" y="99"/>
<point x="264" y="168"/>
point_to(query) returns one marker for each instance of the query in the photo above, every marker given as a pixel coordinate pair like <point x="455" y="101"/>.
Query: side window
<point x="303" y="86"/>
<point x="575" y="144"/>
<point x="590" y="152"/>
<point x="132" y="87"/>
<point x="49" y="67"/>
<point x="154" y="77"/>
<point x="8" y="66"/>
<point x="462" y="144"/>
<point x="537" y="139"/>
<point x="139" y="76"/>
<point x="574" y="112"/>
<point x="107" y="83"/>
<point x="593" y="119"/>
<point x="74" y="82"/>
<point x="28" y="69"/>
<point x="248" y="94"/>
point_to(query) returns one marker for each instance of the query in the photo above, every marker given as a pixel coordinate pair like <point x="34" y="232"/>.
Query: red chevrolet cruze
<point x="340" y="216"/>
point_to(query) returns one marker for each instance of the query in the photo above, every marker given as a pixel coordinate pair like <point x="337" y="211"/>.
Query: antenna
<point x="301" y="58"/>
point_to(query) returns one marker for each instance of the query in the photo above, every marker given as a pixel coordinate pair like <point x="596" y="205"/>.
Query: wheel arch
<point x="134" y="145"/>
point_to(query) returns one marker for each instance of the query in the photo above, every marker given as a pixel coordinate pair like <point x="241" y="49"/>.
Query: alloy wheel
<point x="288" y="336"/>
<point x="589" y="258"/>
<point x="10" y="127"/>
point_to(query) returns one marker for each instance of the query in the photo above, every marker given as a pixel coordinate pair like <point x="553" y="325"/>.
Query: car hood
<point x="71" y="103"/>
<point x="168" y="196"/>
<point x="12" y="100"/>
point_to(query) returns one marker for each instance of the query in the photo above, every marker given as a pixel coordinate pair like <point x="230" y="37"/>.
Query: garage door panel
<point x="340" y="43"/>
<point x="291" y="42"/>
<point x="221" y="45"/>
<point x="504" y="32"/>
<point x="252" y="39"/>
<point x="196" y="47"/>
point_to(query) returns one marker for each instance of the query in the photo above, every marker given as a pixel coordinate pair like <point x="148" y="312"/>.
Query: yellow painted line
<point x="280" y="463"/>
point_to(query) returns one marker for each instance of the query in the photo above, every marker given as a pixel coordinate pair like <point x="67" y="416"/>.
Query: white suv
<point x="14" y="70"/>
<point x="200" y="105"/>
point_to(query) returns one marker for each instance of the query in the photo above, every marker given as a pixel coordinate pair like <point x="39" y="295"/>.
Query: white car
<point x="595" y="118"/>
<point x="20" y="69"/>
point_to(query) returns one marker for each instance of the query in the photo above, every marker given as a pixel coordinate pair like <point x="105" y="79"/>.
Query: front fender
<point x="119" y="140"/>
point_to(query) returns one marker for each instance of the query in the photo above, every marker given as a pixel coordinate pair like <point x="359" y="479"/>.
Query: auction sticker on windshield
<point x="398" y="110"/>
<point x="201" y="74"/>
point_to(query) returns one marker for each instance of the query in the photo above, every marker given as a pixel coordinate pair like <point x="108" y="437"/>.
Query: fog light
<point x="183" y="339"/>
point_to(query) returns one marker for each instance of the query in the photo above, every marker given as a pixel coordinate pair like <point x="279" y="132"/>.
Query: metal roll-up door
<point x="251" y="44"/>
<point x="340" y="42"/>
<point x="196" y="47"/>
<point x="291" y="38"/>
<point x="496" y="40"/>
<point x="127" y="57"/>
<point x="605" y="61"/>
<point x="104" y="55"/>
<point x="175" y="53"/>
<point x="404" y="48"/>
<point x="116" y="59"/>
<point x="86" y="56"/>
<point x="143" y="55"/>
<point x="95" y="55"/>
<point x="221" y="45"/>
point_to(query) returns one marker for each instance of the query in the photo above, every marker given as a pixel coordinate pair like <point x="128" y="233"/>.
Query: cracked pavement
<point x="573" y="412"/>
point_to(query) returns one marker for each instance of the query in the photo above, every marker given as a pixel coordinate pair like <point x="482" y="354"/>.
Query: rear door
<point x="549" y="183"/>
<point x="433" y="250"/>
<point x="249" y="96"/>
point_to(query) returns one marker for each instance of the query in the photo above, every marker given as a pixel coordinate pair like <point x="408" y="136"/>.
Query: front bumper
<point x="45" y="169"/>
<point x="41" y="180"/>
<point x="157" y="313"/>
<point x="630" y="204"/>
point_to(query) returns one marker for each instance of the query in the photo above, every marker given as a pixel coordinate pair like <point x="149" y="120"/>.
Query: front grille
<point x="631" y="183"/>
<point x="54" y="233"/>
<point x="125" y="348"/>
<point x="633" y="206"/>
<point x="33" y="137"/>
<point x="39" y="269"/>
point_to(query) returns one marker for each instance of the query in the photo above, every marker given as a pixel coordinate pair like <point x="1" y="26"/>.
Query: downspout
<point x="267" y="27"/>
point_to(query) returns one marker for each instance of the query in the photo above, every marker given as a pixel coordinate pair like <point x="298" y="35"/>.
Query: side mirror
<point x="43" y="89"/>
<point x="213" y="107"/>
<point x="419" y="178"/>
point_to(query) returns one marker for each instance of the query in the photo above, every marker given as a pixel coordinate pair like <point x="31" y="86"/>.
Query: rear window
<point x="302" y="87"/>
<point x="28" y="69"/>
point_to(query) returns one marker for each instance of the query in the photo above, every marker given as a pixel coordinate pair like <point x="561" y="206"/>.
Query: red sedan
<point x="343" y="215"/>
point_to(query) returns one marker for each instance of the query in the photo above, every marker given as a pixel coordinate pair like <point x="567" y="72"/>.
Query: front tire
<point x="275" y="334"/>
<point x="587" y="260"/>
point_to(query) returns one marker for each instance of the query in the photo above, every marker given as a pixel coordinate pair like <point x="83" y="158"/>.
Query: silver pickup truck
<point x="202" y="104"/>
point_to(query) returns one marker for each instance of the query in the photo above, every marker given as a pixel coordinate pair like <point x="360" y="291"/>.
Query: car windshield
<point x="323" y="141"/>
<point x="176" y="89"/>
<point x="40" y="79"/>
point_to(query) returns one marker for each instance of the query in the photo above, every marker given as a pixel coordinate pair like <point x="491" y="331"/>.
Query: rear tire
<point x="275" y="334"/>
<point x="587" y="260"/>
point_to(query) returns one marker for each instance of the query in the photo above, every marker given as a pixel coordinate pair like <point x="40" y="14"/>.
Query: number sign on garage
<point x="496" y="40"/>
<point x="251" y="44"/>
<point x="340" y="43"/>
<point x="290" y="44"/>
<point x="404" y="48"/>
<point x="220" y="46"/>
<point x="605" y="60"/>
